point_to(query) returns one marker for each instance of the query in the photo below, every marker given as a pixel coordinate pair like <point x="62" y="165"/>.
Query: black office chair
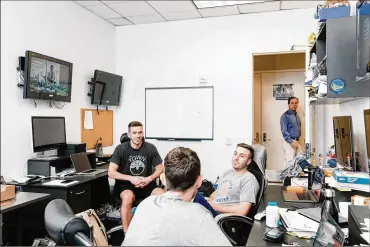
<point x="236" y="227"/>
<point x="64" y="227"/>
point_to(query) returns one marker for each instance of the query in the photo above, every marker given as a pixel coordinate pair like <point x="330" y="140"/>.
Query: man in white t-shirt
<point x="172" y="219"/>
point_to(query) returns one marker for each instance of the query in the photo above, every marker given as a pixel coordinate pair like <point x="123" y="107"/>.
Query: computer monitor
<point x="48" y="133"/>
<point x="329" y="232"/>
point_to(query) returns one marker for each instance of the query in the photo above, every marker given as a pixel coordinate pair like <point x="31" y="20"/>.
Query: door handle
<point x="336" y="133"/>
<point x="257" y="139"/>
<point x="264" y="137"/>
<point x="80" y="193"/>
<point x="343" y="133"/>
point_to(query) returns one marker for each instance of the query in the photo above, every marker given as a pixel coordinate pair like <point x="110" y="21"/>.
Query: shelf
<point x="320" y="36"/>
<point x="334" y="101"/>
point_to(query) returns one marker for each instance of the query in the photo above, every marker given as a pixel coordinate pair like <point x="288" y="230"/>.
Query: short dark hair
<point x="135" y="124"/>
<point x="250" y="149"/>
<point x="182" y="168"/>
<point x="290" y="98"/>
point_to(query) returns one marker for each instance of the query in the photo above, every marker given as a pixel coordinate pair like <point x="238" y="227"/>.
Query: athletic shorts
<point x="140" y="193"/>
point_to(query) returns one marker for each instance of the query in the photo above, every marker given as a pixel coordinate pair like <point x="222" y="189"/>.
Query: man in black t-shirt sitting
<point x="131" y="165"/>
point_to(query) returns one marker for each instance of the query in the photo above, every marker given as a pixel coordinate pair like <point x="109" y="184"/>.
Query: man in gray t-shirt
<point x="238" y="189"/>
<point x="172" y="219"/>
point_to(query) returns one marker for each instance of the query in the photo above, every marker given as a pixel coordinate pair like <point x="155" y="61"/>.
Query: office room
<point x="185" y="123"/>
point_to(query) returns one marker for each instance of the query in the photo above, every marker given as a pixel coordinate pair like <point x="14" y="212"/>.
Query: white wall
<point x="218" y="49"/>
<point x="324" y="125"/>
<point x="60" y="29"/>
<point x="356" y="110"/>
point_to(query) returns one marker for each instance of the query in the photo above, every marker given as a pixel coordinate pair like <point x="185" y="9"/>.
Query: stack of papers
<point x="342" y="186"/>
<point x="298" y="224"/>
<point x="61" y="183"/>
<point x="366" y="230"/>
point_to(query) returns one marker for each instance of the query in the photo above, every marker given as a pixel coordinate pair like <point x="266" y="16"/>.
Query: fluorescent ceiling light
<point x="210" y="4"/>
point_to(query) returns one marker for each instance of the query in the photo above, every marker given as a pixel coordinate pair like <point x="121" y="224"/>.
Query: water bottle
<point x="310" y="178"/>
<point x="215" y="185"/>
<point x="272" y="214"/>
<point x="329" y="204"/>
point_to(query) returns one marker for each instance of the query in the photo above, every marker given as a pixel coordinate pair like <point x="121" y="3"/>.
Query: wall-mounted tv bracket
<point x="91" y="85"/>
<point x="20" y="70"/>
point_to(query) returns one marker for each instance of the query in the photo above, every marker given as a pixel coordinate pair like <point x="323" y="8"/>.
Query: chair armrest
<point x="115" y="229"/>
<point x="229" y="216"/>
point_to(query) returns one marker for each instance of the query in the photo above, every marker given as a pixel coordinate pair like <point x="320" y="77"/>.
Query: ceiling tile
<point x="172" y="6"/>
<point x="104" y="11"/>
<point x="133" y="8"/>
<point x="120" y="21"/>
<point x="259" y="7"/>
<point x="89" y="3"/>
<point x="219" y="11"/>
<point x="299" y="4"/>
<point x="146" y="19"/>
<point x="114" y="2"/>
<point x="181" y="15"/>
<point x="210" y="4"/>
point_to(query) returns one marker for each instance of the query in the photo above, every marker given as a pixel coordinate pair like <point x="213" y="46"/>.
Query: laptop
<point x="82" y="165"/>
<point x="307" y="196"/>
<point x="329" y="232"/>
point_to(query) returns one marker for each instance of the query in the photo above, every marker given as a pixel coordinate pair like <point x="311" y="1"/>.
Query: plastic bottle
<point x="329" y="204"/>
<point x="215" y="185"/>
<point x="272" y="214"/>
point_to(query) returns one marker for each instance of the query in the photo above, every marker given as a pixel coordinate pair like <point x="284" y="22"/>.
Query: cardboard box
<point x="351" y="177"/>
<point x="7" y="192"/>
<point x="335" y="12"/>
<point x="360" y="200"/>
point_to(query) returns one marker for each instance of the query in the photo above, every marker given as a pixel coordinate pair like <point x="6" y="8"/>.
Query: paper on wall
<point x="88" y="121"/>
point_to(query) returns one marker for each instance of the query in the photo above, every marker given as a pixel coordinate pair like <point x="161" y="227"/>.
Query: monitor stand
<point x="50" y="154"/>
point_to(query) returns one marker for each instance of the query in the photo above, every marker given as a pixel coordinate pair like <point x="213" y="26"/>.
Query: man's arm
<point x="241" y="208"/>
<point x="284" y="129"/>
<point x="145" y="181"/>
<point x="113" y="173"/>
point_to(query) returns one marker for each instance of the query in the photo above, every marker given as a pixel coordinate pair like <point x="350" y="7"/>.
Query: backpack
<point x="206" y="189"/>
<point x="99" y="236"/>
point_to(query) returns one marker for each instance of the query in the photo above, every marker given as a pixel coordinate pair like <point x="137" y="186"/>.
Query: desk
<point x="273" y="193"/>
<point x="89" y="192"/>
<point x="23" y="200"/>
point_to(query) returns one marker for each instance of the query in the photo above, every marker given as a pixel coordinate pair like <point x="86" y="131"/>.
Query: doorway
<point x="276" y="76"/>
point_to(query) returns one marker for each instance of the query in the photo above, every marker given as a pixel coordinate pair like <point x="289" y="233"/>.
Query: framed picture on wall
<point x="282" y="91"/>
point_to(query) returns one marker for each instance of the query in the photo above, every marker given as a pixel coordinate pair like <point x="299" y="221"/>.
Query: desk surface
<point x="23" y="199"/>
<point x="273" y="193"/>
<point x="80" y="178"/>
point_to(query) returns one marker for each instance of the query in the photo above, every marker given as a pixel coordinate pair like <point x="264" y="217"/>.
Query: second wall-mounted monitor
<point x="106" y="89"/>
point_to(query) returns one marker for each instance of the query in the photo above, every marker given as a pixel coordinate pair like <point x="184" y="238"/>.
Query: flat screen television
<point x="48" y="133"/>
<point x="106" y="89"/>
<point x="47" y="78"/>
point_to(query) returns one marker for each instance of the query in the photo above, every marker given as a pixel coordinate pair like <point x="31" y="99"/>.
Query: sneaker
<point x="114" y="214"/>
<point x="101" y="212"/>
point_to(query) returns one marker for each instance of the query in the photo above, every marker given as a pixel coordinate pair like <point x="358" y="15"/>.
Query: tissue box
<point x="7" y="194"/>
<point x="336" y="12"/>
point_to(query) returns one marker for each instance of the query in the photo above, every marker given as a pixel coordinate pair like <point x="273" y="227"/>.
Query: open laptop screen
<point x="329" y="232"/>
<point x="80" y="162"/>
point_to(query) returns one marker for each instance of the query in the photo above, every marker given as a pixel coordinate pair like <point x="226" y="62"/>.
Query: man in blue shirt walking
<point x="290" y="125"/>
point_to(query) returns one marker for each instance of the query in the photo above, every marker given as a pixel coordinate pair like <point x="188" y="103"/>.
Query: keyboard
<point x="304" y="196"/>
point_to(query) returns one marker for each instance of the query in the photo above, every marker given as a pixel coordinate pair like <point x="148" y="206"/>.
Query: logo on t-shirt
<point x="223" y="192"/>
<point x="137" y="166"/>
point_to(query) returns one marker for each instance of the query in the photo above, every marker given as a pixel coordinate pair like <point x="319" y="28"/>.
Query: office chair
<point x="64" y="227"/>
<point x="236" y="227"/>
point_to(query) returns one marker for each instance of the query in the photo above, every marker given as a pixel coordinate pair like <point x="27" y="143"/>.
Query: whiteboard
<point x="184" y="113"/>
